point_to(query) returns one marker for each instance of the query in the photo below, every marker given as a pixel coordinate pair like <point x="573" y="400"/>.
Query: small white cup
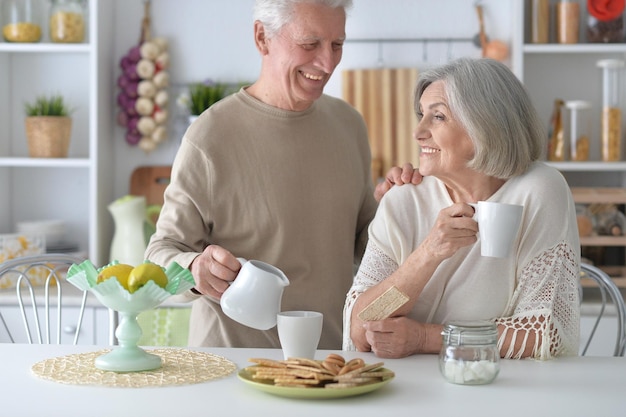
<point x="498" y="225"/>
<point x="299" y="333"/>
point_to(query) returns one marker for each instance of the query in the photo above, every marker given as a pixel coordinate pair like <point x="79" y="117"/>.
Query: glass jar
<point x="470" y="355"/>
<point x="605" y="21"/>
<point x="579" y="129"/>
<point x="67" y="21"/>
<point x="21" y="21"/>
<point x="567" y="21"/>
<point x="611" y="122"/>
<point x="556" y="144"/>
<point x="540" y="21"/>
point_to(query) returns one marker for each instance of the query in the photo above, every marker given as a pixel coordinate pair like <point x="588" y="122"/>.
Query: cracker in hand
<point x="384" y="306"/>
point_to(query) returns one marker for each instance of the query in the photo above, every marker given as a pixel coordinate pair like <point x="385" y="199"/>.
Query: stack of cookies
<point x="332" y="372"/>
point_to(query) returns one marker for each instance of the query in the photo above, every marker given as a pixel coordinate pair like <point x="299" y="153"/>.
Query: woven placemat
<point x="179" y="367"/>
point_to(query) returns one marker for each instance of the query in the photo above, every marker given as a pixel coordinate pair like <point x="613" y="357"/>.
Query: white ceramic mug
<point x="498" y="225"/>
<point x="299" y="333"/>
<point x="254" y="297"/>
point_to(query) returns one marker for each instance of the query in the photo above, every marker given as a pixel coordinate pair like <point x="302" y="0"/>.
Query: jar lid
<point x="478" y="332"/>
<point x="577" y="104"/>
<point x="610" y="63"/>
<point x="605" y="10"/>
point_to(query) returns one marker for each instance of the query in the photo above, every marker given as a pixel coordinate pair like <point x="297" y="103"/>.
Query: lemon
<point x="147" y="271"/>
<point x="119" y="271"/>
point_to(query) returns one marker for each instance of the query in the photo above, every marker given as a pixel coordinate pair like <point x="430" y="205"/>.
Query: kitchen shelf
<point x="599" y="195"/>
<point x="45" y="47"/>
<point x="589" y="283"/>
<point x="603" y="241"/>
<point x="76" y="189"/>
<point x="589" y="166"/>
<point x="579" y="48"/>
<point x="45" y="162"/>
<point x="569" y="72"/>
<point x="603" y="195"/>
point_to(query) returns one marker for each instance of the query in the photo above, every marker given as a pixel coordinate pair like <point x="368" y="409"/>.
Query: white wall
<point x="213" y="39"/>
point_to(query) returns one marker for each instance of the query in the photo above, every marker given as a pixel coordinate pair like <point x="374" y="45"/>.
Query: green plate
<point x="295" y="392"/>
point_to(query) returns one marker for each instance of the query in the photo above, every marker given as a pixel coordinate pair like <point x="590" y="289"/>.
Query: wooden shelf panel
<point x="617" y="274"/>
<point x="603" y="241"/>
<point x="599" y="195"/>
<point x="619" y="281"/>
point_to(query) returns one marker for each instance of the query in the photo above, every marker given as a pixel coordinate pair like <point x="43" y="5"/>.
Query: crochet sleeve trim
<point x="546" y="302"/>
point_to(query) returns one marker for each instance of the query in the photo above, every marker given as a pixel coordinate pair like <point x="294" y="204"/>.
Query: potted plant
<point x="204" y="95"/>
<point x="48" y="127"/>
<point x="200" y="96"/>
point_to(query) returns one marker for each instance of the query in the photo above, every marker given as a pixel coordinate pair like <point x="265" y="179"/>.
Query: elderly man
<point x="277" y="172"/>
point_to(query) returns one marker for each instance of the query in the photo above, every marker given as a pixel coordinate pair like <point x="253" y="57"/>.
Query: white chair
<point x="51" y="269"/>
<point x="607" y="288"/>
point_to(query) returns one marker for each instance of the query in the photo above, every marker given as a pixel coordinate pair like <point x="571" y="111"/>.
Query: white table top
<point x="582" y="386"/>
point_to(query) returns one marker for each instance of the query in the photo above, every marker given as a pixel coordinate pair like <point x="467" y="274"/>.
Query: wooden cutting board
<point x="384" y="97"/>
<point x="150" y="181"/>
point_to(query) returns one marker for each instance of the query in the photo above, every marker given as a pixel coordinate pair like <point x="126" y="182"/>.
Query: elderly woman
<point x="480" y="139"/>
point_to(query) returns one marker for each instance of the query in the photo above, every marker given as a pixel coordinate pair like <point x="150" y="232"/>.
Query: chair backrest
<point x="51" y="269"/>
<point x="607" y="288"/>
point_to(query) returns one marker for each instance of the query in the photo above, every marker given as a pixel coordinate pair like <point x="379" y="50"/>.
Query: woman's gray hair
<point x="274" y="14"/>
<point x="494" y="108"/>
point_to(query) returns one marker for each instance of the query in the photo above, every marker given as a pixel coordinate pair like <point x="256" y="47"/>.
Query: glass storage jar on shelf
<point x="67" y="21"/>
<point x="21" y="21"/>
<point x="556" y="144"/>
<point x="470" y="354"/>
<point x="605" y="21"/>
<point x="567" y="21"/>
<point x="540" y="21"/>
<point x="611" y="122"/>
<point x="579" y="129"/>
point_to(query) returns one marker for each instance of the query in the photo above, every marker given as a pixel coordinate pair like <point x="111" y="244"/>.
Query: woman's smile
<point x="428" y="150"/>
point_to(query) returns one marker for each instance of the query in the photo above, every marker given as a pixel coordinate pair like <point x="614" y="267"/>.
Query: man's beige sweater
<point x="289" y="188"/>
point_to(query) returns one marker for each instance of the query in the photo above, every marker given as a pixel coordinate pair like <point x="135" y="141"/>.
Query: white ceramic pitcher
<point x="129" y="215"/>
<point x="254" y="297"/>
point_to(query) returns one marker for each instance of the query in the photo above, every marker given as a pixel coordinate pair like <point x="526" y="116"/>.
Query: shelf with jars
<point x="69" y="60"/>
<point x="552" y="67"/>
<point x="569" y="69"/>
<point x="28" y="21"/>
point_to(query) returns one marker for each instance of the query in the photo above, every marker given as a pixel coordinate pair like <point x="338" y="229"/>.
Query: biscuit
<point x="384" y="306"/>
<point x="332" y="372"/>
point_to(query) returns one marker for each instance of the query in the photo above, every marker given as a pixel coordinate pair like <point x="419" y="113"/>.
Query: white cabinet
<point x="69" y="318"/>
<point x="78" y="188"/>
<point x="95" y="329"/>
<point x="569" y="72"/>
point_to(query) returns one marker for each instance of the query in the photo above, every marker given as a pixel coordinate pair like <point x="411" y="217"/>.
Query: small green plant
<point x="47" y="106"/>
<point x="204" y="95"/>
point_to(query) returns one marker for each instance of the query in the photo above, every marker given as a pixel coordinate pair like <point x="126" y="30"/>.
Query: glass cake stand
<point x="128" y="356"/>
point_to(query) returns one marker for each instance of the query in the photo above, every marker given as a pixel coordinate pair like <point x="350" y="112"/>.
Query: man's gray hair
<point x="274" y="14"/>
<point x="495" y="109"/>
